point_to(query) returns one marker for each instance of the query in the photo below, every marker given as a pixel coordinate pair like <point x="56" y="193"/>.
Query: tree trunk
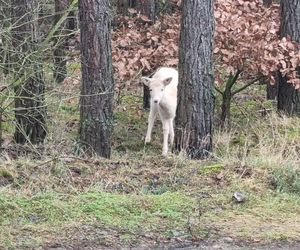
<point x="30" y="111"/>
<point x="147" y="8"/>
<point x="225" y="110"/>
<point x="71" y="22"/>
<point x="165" y="7"/>
<point x="5" y="41"/>
<point x="146" y="97"/>
<point x="123" y="5"/>
<point x="272" y="91"/>
<point x="194" y="118"/>
<point x="288" y="96"/>
<point x="96" y="101"/>
<point x="267" y="2"/>
<point x="61" y="47"/>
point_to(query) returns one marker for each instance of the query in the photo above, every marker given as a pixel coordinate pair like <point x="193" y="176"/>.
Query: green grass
<point x="129" y="213"/>
<point x="287" y="180"/>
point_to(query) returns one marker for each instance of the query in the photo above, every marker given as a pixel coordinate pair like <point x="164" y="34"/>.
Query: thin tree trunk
<point x="61" y="43"/>
<point x="196" y="79"/>
<point x="30" y="111"/>
<point x="147" y="8"/>
<point x="272" y="90"/>
<point x="123" y="5"/>
<point x="96" y="101"/>
<point x="267" y="2"/>
<point x="226" y="99"/>
<point x="5" y="42"/>
<point x="288" y="96"/>
<point x="146" y="97"/>
<point x="71" y="22"/>
<point x="225" y="110"/>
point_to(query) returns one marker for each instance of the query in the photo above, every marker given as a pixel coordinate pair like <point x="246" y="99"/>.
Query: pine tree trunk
<point x="97" y="78"/>
<point x="289" y="97"/>
<point x="194" y="119"/>
<point x="61" y="47"/>
<point x="30" y="111"/>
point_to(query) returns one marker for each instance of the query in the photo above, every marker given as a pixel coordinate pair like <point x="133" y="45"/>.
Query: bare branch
<point x="247" y="85"/>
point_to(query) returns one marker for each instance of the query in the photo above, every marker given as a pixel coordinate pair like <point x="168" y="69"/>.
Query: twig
<point x="219" y="91"/>
<point x="46" y="162"/>
<point x="247" y="85"/>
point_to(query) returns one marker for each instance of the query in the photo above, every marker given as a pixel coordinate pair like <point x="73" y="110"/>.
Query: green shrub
<point x="287" y="179"/>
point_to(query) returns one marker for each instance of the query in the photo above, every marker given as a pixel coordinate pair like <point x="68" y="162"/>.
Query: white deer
<point x="163" y="92"/>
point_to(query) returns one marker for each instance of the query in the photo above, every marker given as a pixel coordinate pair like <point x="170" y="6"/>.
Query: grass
<point x="138" y="197"/>
<point x="128" y="213"/>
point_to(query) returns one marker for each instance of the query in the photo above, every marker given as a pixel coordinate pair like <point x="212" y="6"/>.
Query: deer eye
<point x="162" y="89"/>
<point x="150" y="90"/>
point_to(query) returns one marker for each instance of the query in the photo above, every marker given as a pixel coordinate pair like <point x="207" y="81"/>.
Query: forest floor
<point x="51" y="197"/>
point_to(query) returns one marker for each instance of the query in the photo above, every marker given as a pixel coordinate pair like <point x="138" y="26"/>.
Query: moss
<point x="215" y="168"/>
<point x="73" y="66"/>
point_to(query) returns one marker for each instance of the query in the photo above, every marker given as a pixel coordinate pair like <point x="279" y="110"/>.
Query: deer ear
<point x="167" y="81"/>
<point x="146" y="81"/>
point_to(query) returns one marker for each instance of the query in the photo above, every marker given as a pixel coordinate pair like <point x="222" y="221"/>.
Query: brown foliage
<point x="246" y="39"/>
<point x="138" y="45"/>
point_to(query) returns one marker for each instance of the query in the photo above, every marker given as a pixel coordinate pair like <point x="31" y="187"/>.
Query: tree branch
<point x="219" y="91"/>
<point x="247" y="85"/>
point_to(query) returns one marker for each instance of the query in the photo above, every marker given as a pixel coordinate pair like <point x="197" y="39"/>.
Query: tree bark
<point x="195" y="110"/>
<point x="288" y="96"/>
<point x="30" y="111"/>
<point x="96" y="101"/>
<point x="61" y="46"/>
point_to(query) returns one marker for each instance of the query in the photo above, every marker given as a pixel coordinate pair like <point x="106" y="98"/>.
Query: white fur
<point x="163" y="91"/>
